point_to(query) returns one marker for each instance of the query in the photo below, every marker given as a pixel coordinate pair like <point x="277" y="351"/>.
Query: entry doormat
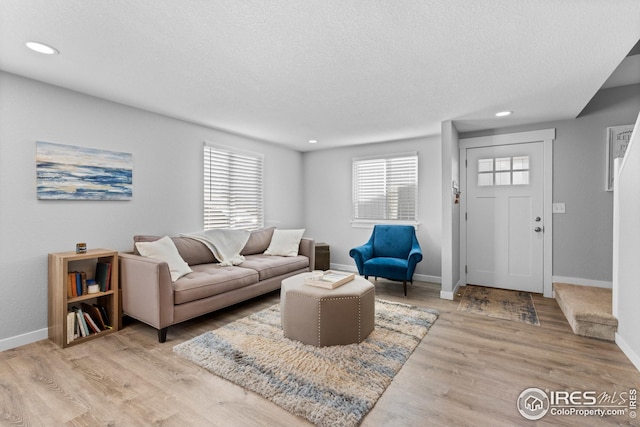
<point x="329" y="386"/>
<point x="499" y="303"/>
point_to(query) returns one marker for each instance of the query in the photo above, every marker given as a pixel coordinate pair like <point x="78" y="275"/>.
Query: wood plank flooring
<point x="468" y="371"/>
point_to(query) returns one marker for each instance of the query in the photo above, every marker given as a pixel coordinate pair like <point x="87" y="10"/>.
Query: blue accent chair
<point x="392" y="252"/>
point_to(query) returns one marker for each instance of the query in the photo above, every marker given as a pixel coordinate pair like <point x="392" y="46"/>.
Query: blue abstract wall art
<point x="67" y="172"/>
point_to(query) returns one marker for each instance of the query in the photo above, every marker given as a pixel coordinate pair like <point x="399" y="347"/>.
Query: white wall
<point x="627" y="241"/>
<point x="327" y="183"/>
<point x="582" y="243"/>
<point x="167" y="188"/>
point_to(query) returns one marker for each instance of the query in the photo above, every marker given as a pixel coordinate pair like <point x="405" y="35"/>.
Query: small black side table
<point x="322" y="256"/>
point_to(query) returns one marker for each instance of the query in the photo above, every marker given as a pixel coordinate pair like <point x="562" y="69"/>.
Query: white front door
<point x="504" y="216"/>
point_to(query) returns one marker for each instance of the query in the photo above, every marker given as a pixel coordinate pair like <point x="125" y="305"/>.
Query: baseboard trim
<point x="418" y="277"/>
<point x="583" y="282"/>
<point x="447" y="295"/>
<point x="450" y="295"/>
<point x="628" y="351"/>
<point x="427" y="278"/>
<point x="23" y="339"/>
<point x="343" y="267"/>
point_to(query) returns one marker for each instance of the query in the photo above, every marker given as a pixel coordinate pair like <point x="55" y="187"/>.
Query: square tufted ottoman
<point x="324" y="317"/>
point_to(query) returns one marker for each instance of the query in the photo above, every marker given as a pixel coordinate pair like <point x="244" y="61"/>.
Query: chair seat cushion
<point x="390" y="268"/>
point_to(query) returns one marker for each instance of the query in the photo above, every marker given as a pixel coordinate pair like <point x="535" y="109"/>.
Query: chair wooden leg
<point x="404" y="284"/>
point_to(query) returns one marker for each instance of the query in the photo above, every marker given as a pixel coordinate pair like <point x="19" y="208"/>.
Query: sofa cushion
<point x="285" y="242"/>
<point x="165" y="250"/>
<point x="258" y="241"/>
<point x="269" y="266"/>
<point x="192" y="251"/>
<point x="208" y="280"/>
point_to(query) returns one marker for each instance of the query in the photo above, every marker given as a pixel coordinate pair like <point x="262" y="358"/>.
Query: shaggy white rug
<point x="329" y="386"/>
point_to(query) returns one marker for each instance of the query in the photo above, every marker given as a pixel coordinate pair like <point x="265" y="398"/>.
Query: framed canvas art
<point x="67" y="172"/>
<point x="617" y="142"/>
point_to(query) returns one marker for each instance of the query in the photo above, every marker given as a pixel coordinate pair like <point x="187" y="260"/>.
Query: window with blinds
<point x="386" y="188"/>
<point x="233" y="190"/>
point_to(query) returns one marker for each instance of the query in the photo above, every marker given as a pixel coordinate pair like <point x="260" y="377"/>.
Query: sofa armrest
<point x="147" y="290"/>
<point x="308" y="248"/>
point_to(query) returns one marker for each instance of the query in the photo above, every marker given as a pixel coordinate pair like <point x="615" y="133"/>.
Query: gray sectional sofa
<point x="150" y="296"/>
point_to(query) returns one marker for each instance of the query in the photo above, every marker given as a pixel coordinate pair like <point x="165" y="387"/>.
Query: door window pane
<point x="520" y="162"/>
<point x="485" y="165"/>
<point x="520" y="177"/>
<point x="503" y="164"/>
<point x="503" y="178"/>
<point x="485" y="179"/>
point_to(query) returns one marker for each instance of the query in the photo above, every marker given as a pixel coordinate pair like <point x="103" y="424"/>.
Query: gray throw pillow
<point x="258" y="242"/>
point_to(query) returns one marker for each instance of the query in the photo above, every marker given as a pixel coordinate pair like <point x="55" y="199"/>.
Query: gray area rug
<point x="329" y="386"/>
<point x="499" y="303"/>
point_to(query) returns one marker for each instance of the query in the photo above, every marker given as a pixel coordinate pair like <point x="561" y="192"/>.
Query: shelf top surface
<point x="90" y="253"/>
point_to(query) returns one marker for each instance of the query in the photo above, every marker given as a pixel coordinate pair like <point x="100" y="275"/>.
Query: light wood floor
<point x="468" y="370"/>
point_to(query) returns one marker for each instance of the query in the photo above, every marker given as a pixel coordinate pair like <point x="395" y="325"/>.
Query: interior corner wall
<point x="328" y="185"/>
<point x="167" y="188"/>
<point x="582" y="237"/>
<point x="450" y="211"/>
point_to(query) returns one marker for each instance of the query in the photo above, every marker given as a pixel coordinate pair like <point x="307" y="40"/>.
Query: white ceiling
<point x="339" y="71"/>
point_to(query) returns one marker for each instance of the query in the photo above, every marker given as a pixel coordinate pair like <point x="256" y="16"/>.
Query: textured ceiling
<point x="342" y="72"/>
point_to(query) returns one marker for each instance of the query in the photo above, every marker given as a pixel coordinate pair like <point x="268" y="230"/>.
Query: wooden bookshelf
<point x="60" y="264"/>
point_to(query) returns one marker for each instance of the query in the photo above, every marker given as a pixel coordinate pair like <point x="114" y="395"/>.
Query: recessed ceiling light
<point x="42" y="48"/>
<point x="503" y="113"/>
<point x="313" y="141"/>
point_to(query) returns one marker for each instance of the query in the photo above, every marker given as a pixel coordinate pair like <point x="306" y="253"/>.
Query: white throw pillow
<point x="165" y="250"/>
<point x="285" y="242"/>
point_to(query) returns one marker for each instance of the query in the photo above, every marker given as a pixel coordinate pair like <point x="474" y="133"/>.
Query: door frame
<point x="546" y="137"/>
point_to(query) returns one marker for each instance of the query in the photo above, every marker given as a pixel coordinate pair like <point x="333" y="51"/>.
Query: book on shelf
<point x="94" y="313"/>
<point x="82" y="323"/>
<point x="90" y="323"/>
<point x="105" y="315"/>
<point x="73" y="284"/>
<point x="72" y="328"/>
<point x="78" y="278"/>
<point x="103" y="275"/>
<point x="108" y="285"/>
<point x="83" y="282"/>
<point x="70" y="286"/>
<point x="329" y="279"/>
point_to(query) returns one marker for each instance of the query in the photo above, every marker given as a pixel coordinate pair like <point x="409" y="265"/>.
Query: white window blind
<point x="386" y="188"/>
<point x="233" y="190"/>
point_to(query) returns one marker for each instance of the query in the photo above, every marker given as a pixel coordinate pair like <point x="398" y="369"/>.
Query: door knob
<point x="537" y="229"/>
<point x="538" y="219"/>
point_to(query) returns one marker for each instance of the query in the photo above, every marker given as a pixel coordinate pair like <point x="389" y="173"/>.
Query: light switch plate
<point x="558" y="208"/>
